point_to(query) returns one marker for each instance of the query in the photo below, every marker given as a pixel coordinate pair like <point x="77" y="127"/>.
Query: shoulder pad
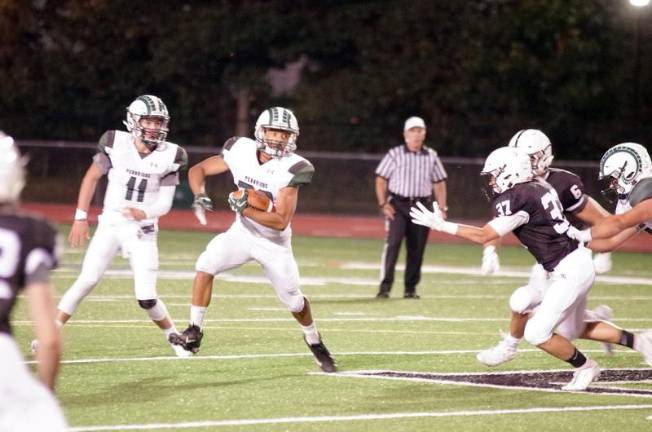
<point x="641" y="192"/>
<point x="303" y="171"/>
<point x="229" y="143"/>
<point x="181" y="158"/>
<point x="105" y="145"/>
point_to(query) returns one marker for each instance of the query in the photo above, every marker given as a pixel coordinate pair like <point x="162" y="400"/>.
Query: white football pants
<point x="111" y="235"/>
<point x="238" y="245"/>
<point x="564" y="301"/>
<point x="26" y="405"/>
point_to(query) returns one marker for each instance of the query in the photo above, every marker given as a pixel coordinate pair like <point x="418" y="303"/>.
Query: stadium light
<point x="639" y="3"/>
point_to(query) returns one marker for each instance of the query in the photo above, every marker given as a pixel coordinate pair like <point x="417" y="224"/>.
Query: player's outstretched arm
<point x="612" y="243"/>
<point x="434" y="219"/>
<point x="285" y="204"/>
<point x="79" y="231"/>
<point x="613" y="225"/>
<point x="42" y="311"/>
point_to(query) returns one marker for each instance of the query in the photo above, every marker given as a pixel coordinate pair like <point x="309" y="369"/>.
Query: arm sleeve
<point x="302" y="173"/>
<point x="574" y="198"/>
<point x="163" y="204"/>
<point x="506" y="224"/>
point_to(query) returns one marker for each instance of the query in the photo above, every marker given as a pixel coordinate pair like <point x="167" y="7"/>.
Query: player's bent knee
<point x="155" y="308"/>
<point x="204" y="264"/>
<point x="147" y="304"/>
<point x="296" y="303"/>
<point x="535" y="335"/>
<point x="522" y="300"/>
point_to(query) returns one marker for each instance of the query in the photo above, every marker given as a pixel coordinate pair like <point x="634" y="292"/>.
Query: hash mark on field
<point x="351" y="418"/>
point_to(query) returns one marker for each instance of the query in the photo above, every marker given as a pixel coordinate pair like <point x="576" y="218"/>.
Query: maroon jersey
<point x="544" y="233"/>
<point x="27" y="254"/>
<point x="570" y="190"/>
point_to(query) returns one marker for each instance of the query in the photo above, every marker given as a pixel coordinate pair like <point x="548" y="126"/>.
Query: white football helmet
<point x="147" y="106"/>
<point x="504" y="168"/>
<point x="12" y="170"/>
<point x="537" y="145"/>
<point x="281" y="119"/>
<point x="622" y="166"/>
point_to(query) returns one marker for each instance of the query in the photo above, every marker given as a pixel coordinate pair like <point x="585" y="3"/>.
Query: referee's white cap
<point x="414" y="122"/>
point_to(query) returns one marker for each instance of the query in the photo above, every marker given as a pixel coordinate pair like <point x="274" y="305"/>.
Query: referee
<point x="408" y="174"/>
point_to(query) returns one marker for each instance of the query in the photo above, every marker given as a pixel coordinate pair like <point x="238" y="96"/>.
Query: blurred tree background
<point x="477" y="71"/>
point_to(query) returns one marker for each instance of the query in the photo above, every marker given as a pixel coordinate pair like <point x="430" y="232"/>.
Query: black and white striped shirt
<point x="411" y="174"/>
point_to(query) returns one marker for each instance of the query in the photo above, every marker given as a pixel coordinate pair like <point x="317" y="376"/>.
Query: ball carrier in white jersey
<point x="531" y="210"/>
<point x="28" y="252"/>
<point x="580" y="209"/>
<point x="143" y="171"/>
<point x="267" y="164"/>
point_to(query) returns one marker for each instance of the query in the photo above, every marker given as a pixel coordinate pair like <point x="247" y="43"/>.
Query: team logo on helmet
<point x="622" y="167"/>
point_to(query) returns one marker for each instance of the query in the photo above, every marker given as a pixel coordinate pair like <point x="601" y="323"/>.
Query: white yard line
<point x="358" y="417"/>
<point x="201" y="357"/>
<point x="347" y="280"/>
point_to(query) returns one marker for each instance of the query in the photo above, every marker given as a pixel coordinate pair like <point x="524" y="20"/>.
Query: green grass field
<point x="254" y="372"/>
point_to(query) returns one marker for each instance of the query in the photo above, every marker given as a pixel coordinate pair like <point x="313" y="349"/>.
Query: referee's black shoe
<point x="323" y="357"/>
<point x="411" y="295"/>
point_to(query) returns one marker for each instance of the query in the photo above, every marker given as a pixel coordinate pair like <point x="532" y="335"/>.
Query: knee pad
<point x="523" y="300"/>
<point x="296" y="303"/>
<point x="204" y="264"/>
<point x="534" y="334"/>
<point x="155" y="308"/>
<point x="147" y="304"/>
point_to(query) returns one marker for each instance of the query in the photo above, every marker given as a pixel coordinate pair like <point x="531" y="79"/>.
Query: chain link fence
<point x="343" y="182"/>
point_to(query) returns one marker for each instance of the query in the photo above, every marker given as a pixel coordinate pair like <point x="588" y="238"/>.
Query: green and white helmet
<point x="12" y="170"/>
<point x="278" y="118"/>
<point x="148" y="106"/>
<point x="622" y="167"/>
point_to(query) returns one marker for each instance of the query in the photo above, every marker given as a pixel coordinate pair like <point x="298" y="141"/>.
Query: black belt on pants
<point x="411" y="200"/>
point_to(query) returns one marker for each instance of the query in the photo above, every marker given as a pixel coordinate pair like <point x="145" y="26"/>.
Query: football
<point x="257" y="199"/>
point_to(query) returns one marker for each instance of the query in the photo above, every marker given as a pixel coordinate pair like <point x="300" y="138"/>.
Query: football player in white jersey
<point x="626" y="170"/>
<point x="266" y="164"/>
<point x="143" y="171"/>
<point x="28" y="252"/>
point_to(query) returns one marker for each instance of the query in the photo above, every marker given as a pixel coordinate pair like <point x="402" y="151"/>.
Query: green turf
<point x="253" y="364"/>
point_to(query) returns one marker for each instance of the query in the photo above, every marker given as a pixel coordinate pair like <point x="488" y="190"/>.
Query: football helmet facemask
<point x="12" y="170"/>
<point x="537" y="145"/>
<point x="504" y="168"/>
<point x="622" y="167"/>
<point x="278" y="118"/>
<point x="148" y="106"/>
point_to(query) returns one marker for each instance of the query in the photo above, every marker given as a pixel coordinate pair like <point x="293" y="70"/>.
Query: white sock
<point x="169" y="331"/>
<point x="197" y="315"/>
<point x="312" y="335"/>
<point x="512" y="341"/>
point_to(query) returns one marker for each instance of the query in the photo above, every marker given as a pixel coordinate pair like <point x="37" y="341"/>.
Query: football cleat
<point x="583" y="376"/>
<point x="643" y="344"/>
<point x="189" y="339"/>
<point x="503" y="352"/>
<point x="180" y="351"/>
<point x="323" y="357"/>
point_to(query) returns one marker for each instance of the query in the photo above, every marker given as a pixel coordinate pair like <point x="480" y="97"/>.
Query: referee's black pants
<point x="416" y="237"/>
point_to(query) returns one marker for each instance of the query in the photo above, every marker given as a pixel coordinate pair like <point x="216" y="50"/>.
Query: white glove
<point x="490" y="261"/>
<point x="602" y="262"/>
<point x="432" y="219"/>
<point x="583" y="236"/>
